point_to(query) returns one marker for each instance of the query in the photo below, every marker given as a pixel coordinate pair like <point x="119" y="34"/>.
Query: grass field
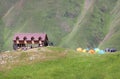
<point x="73" y="65"/>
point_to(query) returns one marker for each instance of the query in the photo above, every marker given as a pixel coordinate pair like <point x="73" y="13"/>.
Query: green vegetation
<point x="73" y="65"/>
<point x="68" y="23"/>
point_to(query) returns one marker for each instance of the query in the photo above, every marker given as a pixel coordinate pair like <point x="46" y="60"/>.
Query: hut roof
<point x="28" y="36"/>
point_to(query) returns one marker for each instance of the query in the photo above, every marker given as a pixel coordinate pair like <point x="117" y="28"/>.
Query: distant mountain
<point x="68" y="23"/>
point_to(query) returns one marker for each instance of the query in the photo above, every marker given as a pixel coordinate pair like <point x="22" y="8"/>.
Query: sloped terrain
<point x="59" y="63"/>
<point x="11" y="59"/>
<point x="68" y="23"/>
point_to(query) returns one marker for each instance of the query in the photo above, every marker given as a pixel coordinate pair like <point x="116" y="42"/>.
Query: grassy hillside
<point x="112" y="37"/>
<point x="59" y="63"/>
<point x="68" y="23"/>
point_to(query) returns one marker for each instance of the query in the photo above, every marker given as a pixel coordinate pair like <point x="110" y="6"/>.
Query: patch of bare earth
<point x="16" y="58"/>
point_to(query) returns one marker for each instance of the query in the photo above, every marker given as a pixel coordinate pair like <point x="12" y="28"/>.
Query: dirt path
<point x="87" y="5"/>
<point x="9" y="20"/>
<point x="10" y="16"/>
<point x="114" y="22"/>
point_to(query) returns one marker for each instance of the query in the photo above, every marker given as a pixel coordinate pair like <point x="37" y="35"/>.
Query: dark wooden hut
<point x="29" y="40"/>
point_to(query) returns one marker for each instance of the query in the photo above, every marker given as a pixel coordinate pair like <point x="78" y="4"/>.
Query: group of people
<point x="28" y="47"/>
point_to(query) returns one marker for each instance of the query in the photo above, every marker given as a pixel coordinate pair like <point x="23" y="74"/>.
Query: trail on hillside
<point x="114" y="22"/>
<point x="9" y="20"/>
<point x="87" y="5"/>
<point x="10" y="16"/>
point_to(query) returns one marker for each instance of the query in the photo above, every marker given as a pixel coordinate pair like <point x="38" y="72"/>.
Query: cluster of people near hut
<point x="26" y="47"/>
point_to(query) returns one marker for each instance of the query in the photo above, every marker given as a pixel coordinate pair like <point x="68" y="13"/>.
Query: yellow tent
<point x="79" y="49"/>
<point x="84" y="50"/>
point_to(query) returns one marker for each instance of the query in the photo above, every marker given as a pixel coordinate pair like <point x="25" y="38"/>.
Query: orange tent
<point x="91" y="51"/>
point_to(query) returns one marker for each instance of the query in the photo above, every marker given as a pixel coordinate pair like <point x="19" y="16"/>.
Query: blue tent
<point x="101" y="52"/>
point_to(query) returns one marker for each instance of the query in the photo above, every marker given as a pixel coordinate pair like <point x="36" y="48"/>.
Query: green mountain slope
<point x="68" y="23"/>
